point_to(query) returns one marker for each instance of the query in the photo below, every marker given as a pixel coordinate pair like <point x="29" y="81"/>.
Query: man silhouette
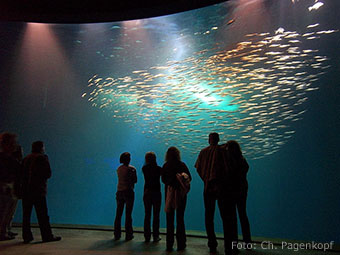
<point x="37" y="170"/>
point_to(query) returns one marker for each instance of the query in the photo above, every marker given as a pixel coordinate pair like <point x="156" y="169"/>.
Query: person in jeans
<point x="174" y="170"/>
<point x="239" y="168"/>
<point x="213" y="168"/>
<point x="152" y="196"/>
<point x="125" y="196"/>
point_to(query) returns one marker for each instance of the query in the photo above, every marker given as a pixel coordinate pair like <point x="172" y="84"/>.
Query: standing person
<point x="36" y="172"/>
<point x="17" y="194"/>
<point x="125" y="195"/>
<point x="152" y="196"/>
<point x="211" y="169"/>
<point x="239" y="168"/>
<point x="9" y="171"/>
<point x="176" y="177"/>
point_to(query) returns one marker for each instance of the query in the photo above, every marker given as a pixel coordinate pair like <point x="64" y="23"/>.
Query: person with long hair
<point x="176" y="177"/>
<point x="238" y="172"/>
<point x="152" y="196"/>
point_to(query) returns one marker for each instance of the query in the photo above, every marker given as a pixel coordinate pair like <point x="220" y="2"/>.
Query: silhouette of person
<point x="210" y="167"/>
<point x="9" y="172"/>
<point x="36" y="172"/>
<point x="125" y="195"/>
<point x="239" y="168"/>
<point x="152" y="196"/>
<point x="176" y="177"/>
<point x="17" y="194"/>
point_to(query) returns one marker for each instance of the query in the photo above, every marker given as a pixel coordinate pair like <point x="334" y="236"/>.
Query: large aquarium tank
<point x="262" y="72"/>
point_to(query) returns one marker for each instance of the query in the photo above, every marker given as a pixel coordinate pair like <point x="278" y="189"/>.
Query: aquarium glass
<point x="262" y="72"/>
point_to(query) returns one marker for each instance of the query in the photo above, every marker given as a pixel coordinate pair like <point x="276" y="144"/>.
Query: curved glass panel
<point x="264" y="73"/>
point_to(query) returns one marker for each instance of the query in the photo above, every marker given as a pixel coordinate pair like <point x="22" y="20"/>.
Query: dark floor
<point x="96" y="242"/>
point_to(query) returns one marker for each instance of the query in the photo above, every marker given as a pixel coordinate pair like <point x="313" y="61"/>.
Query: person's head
<point x="125" y="158"/>
<point x="172" y="154"/>
<point x="38" y="147"/>
<point x="214" y="138"/>
<point x="234" y="148"/>
<point x="18" y="153"/>
<point x="150" y="158"/>
<point x="8" y="142"/>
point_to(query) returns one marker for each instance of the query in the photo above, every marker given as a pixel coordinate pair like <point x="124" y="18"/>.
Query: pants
<point x="40" y="205"/>
<point x="11" y="214"/>
<point x="228" y="205"/>
<point x="241" y="202"/>
<point x="227" y="208"/>
<point x="6" y="205"/>
<point x="126" y="198"/>
<point x="180" y="227"/>
<point x="152" y="202"/>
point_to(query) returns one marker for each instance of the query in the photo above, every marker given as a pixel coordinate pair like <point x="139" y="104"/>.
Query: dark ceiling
<point x="76" y="11"/>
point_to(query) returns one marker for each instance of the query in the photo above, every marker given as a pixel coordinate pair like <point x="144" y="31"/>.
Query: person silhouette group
<point x="26" y="179"/>
<point x="222" y="168"/>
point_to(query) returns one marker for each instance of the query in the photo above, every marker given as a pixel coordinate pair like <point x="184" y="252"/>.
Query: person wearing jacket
<point x="176" y="177"/>
<point x="210" y="167"/>
<point x="36" y="172"/>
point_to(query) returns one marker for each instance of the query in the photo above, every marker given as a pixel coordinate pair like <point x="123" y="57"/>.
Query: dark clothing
<point x="36" y="172"/>
<point x="209" y="204"/>
<point x="40" y="205"/>
<point x="152" y="199"/>
<point x="238" y="174"/>
<point x="228" y="213"/>
<point x="210" y="167"/>
<point x="9" y="176"/>
<point x="213" y="171"/>
<point x="238" y="187"/>
<point x="241" y="201"/>
<point x="124" y="198"/>
<point x="170" y="169"/>
<point x="9" y="169"/>
<point x="152" y="204"/>
<point x="5" y="209"/>
<point x="152" y="175"/>
<point x="180" y="226"/>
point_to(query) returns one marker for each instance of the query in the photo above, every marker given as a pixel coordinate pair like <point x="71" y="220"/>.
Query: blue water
<point x="176" y="79"/>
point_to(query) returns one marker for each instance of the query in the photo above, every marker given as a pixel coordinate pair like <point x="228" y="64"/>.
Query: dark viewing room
<point x="169" y="127"/>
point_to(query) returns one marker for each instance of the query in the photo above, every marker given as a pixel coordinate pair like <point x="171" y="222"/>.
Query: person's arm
<point x="159" y="173"/>
<point x="198" y="166"/>
<point x="133" y="175"/>
<point x="144" y="173"/>
<point x="245" y="166"/>
<point x="185" y="169"/>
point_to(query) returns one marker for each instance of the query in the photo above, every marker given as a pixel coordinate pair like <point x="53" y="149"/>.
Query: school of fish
<point x="253" y="92"/>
